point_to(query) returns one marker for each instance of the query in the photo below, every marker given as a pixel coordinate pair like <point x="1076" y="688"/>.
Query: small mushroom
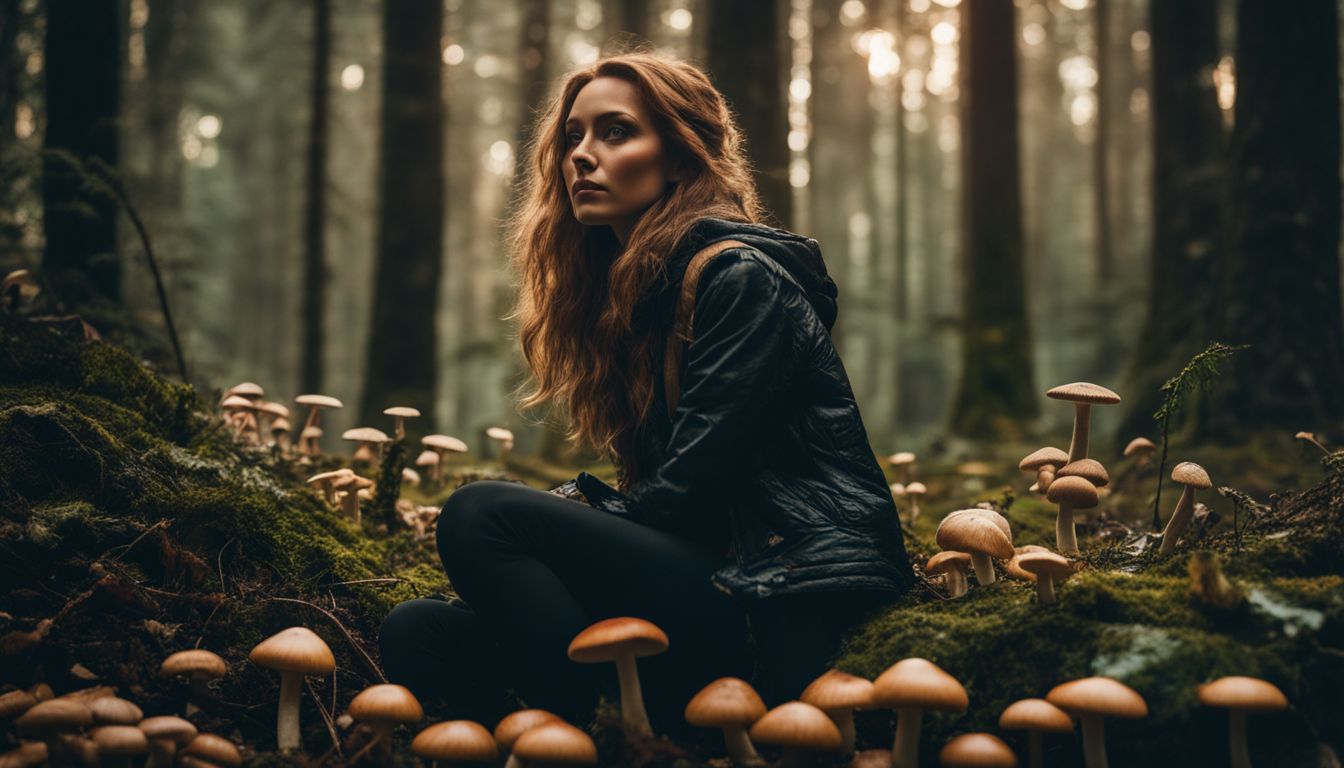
<point x="350" y="490"/>
<point x="516" y="724"/>
<point x="166" y="734"/>
<point x="310" y="440"/>
<point x="953" y="567"/>
<point x="125" y="742"/>
<point x="211" y="750"/>
<point x="111" y="710"/>
<point x="294" y="653"/>
<point x="401" y="413"/>
<point x="977" y="533"/>
<point x="325" y="482"/>
<point x="732" y="705"/>
<point x="502" y="436"/>
<point x="1090" y="470"/>
<point x="384" y="707"/>
<point x="1092" y="700"/>
<point x="1083" y="396"/>
<point x="1035" y="716"/>
<point x="557" y="743"/>
<point x="441" y="444"/>
<point x="29" y="754"/>
<point x="799" y="729"/>
<point x="914" y="491"/>
<point x="1240" y="695"/>
<point x="977" y="750"/>
<point x="1014" y="570"/>
<point x="622" y="640"/>
<point x="1070" y="492"/>
<point x="455" y="742"/>
<point x="369" y="440"/>
<point x="903" y="462"/>
<point x="1049" y="569"/>
<point x="49" y="720"/>
<point x="15" y="703"/>
<point x="315" y="404"/>
<point x="1192" y="476"/>
<point x="1044" y="462"/>
<point x="912" y="687"/>
<point x="838" y="694"/>
<point x="1141" y="450"/>
<point x="1311" y="438"/>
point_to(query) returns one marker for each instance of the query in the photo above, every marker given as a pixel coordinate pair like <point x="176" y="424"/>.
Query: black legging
<point x="536" y="569"/>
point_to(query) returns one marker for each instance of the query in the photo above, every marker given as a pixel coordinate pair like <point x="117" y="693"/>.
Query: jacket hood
<point x="799" y="256"/>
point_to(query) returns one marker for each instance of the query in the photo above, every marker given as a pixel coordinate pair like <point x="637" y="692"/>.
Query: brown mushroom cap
<point x="366" y="435"/>
<point x="15" y="703"/>
<point x="839" y="690"/>
<point x="916" y="488"/>
<point x="318" y="401"/>
<point x="197" y="663"/>
<point x="1191" y="474"/>
<point x="455" y="740"/>
<point x="499" y="433"/>
<point x="977" y="750"/>
<point x="1045" y="563"/>
<point x="405" y="412"/>
<point x="1074" y="491"/>
<point x="1014" y="570"/>
<point x="1098" y="696"/>
<point x="54" y="715"/>
<point x="946" y="561"/>
<point x="426" y="459"/>
<point x="237" y="402"/>
<point x="797" y="725"/>
<point x="386" y="703"/>
<point x="27" y="755"/>
<point x="444" y="443"/>
<point x="297" y="649"/>
<point x="120" y="740"/>
<point x="168" y="727"/>
<point x="1247" y="694"/>
<point x="988" y="514"/>
<point x="111" y="710"/>
<point x="556" y="742"/>
<point x="608" y="639"/>
<point x="247" y="389"/>
<point x="517" y="723"/>
<point x="213" y="749"/>
<point x="1035" y="715"/>
<point x="918" y="684"/>
<point x="1141" y="446"/>
<point x="1083" y="392"/>
<point x="974" y="533"/>
<point x="1041" y="457"/>
<point x="725" y="702"/>
<point x="1090" y="470"/>
<point x="901" y="457"/>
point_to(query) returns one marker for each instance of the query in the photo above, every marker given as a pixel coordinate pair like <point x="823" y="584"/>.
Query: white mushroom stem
<point x="1082" y="418"/>
<point x="914" y="508"/>
<point x="1094" y="741"/>
<point x="1034" y="756"/>
<point x="287" y="719"/>
<point x="1044" y="477"/>
<point x="1045" y="590"/>
<point x="350" y="504"/>
<point x="1066" y="541"/>
<point x="399" y="432"/>
<point x="844" y="720"/>
<point x="634" y="717"/>
<point x="956" y="582"/>
<point x="1236" y="739"/>
<point x="739" y="747"/>
<point x="984" y="568"/>
<point x="905" y="749"/>
<point x="1180" y="519"/>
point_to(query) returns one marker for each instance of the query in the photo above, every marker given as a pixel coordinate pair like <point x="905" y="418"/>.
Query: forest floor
<point x="132" y="526"/>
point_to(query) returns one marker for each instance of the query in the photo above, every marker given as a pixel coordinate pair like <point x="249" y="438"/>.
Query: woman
<point x="753" y="523"/>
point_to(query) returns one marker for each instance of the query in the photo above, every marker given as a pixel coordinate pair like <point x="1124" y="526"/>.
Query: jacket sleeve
<point x="741" y="352"/>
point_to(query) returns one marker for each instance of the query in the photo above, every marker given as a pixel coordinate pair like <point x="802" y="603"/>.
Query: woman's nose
<point x="581" y="157"/>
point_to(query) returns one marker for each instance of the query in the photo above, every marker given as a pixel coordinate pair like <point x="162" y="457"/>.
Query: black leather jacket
<point x="766" y="433"/>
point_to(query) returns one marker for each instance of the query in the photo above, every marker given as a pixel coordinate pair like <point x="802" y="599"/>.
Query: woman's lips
<point x="582" y="192"/>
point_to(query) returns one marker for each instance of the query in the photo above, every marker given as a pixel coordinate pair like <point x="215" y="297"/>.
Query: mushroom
<point x="325" y="481"/>
<point x="1035" y="716"/>
<point x="731" y="705"/>
<point x="1044" y="462"/>
<point x="1311" y="438"/>
<point x="430" y="461"/>
<point x="838" y="694"/>
<point x="1090" y="470"/>
<point x="280" y="435"/>
<point x="248" y="389"/>
<point x="212" y="750"/>
<point x="516" y="724"/>
<point x="349" y="491"/>
<point x="15" y="703"/>
<point x="555" y="743"/>
<point x="977" y="750"/>
<point x="1070" y="492"/>
<point x="1049" y="570"/>
<point x="166" y="734"/>
<point x="1083" y="396"/>
<point x="294" y="653"/>
<point x="111" y="710"/>
<point x="200" y="667"/>
<point x="368" y="438"/>
<point x="309" y="441"/>
<point x="1014" y="570"/>
<point x="28" y="754"/>
<point x="872" y="758"/>
<point x="1091" y="700"/>
<point x="1141" y="450"/>
<point x="383" y="707"/>
<point x="504" y="437"/>
<point x="49" y="720"/>
<point x="914" y="491"/>
<point x="18" y="290"/>
<point x="952" y="566"/>
<point x="401" y="413"/>
<point x="903" y="462"/>
<point x="410" y="476"/>
<point x="1239" y="695"/>
<point x="799" y="729"/>
<point x="897" y="489"/>
<point x="315" y="405"/>
<point x="120" y="741"/>
<point x="622" y="640"/>
<point x="975" y="532"/>
<point x="912" y="686"/>
<point x="441" y="444"/>
<point x="452" y="741"/>
<point x="1192" y="476"/>
<point x="239" y="412"/>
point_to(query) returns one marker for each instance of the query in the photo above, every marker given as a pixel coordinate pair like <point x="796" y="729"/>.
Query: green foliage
<point x="1195" y="376"/>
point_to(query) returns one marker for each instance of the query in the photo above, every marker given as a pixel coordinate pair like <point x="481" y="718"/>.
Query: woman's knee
<point x="468" y="517"/>
<point x="405" y="623"/>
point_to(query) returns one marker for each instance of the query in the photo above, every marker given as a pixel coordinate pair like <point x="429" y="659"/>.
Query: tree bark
<point x="996" y="392"/>
<point x="1282" y="285"/>
<point x="752" y="78"/>
<point x="315" y="219"/>
<point x="83" y="93"/>
<point x="403" y="354"/>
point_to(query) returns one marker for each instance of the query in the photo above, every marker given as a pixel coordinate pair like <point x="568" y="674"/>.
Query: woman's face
<point x="611" y="142"/>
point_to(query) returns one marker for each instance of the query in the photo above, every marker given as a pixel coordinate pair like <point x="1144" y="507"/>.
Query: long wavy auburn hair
<point x="578" y="289"/>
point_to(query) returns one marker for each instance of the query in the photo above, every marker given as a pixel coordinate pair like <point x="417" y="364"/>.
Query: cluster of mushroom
<point x="903" y="465"/>
<point x="95" y="726"/>
<point x="344" y="489"/>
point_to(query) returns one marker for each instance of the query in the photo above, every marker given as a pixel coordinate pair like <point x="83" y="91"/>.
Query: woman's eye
<point x="621" y="128"/>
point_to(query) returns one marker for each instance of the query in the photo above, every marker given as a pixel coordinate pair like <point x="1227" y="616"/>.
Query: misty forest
<point x="255" y="332"/>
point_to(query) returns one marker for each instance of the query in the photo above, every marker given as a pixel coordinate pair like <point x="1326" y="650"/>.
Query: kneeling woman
<point x="751" y="521"/>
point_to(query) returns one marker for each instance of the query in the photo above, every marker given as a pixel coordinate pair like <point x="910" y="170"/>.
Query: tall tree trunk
<point x="1188" y="174"/>
<point x="1282" y="280"/>
<point x="996" y="392"/>
<point x="83" y="91"/>
<point x="902" y="184"/>
<point x="1101" y="177"/>
<point x="402" y="355"/>
<point x="11" y="64"/>
<point x="314" y="218"/>
<point x="752" y="77"/>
